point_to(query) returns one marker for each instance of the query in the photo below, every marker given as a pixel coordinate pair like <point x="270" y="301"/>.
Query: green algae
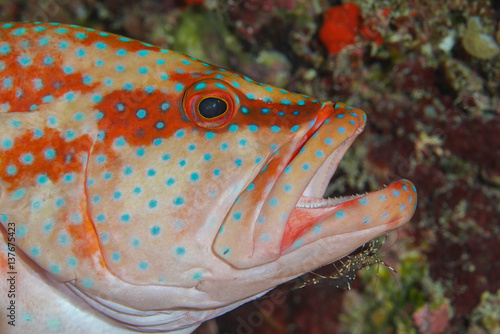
<point x="388" y="300"/>
<point x="203" y="35"/>
<point x="485" y="318"/>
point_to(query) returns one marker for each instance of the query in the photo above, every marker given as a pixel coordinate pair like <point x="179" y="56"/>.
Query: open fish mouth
<point x="315" y="217"/>
<point x="284" y="208"/>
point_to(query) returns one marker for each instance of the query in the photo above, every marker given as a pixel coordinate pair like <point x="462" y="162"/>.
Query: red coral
<point x="343" y="23"/>
<point x="369" y="31"/>
<point x="340" y="27"/>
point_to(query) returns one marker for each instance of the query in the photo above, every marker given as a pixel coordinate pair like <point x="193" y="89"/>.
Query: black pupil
<point x="212" y="107"/>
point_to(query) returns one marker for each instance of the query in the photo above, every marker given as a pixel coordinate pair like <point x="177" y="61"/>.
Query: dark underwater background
<point x="427" y="74"/>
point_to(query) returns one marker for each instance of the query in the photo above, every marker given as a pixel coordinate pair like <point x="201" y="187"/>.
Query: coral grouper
<point x="142" y="190"/>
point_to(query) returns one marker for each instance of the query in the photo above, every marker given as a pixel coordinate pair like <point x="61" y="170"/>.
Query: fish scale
<point x="159" y="218"/>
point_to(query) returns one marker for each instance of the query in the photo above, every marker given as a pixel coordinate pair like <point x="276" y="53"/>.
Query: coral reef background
<point x="427" y="73"/>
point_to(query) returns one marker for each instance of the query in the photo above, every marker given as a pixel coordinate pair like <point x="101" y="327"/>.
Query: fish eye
<point x="210" y="103"/>
<point x="212" y="107"/>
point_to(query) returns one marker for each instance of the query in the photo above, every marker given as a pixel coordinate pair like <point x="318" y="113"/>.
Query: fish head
<point x="152" y="184"/>
<point x="227" y="195"/>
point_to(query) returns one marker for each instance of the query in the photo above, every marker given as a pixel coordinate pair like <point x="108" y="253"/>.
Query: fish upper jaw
<point x="270" y="215"/>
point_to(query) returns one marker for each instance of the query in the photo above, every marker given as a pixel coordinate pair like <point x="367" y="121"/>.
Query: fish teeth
<point x="314" y="203"/>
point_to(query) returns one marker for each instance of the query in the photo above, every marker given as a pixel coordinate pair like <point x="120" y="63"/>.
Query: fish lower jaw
<point x="307" y="202"/>
<point x="377" y="211"/>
